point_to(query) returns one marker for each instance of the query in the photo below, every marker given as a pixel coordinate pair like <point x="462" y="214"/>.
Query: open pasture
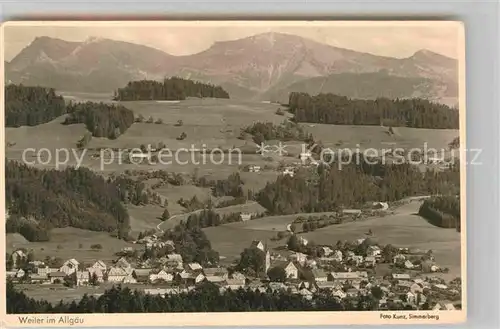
<point x="65" y="243"/>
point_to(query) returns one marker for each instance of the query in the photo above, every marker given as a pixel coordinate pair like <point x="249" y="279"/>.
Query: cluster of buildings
<point x="343" y="274"/>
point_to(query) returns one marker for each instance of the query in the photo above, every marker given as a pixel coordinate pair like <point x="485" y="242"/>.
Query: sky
<point x="393" y="39"/>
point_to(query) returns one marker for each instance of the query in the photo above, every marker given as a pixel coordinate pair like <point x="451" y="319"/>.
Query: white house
<point x="195" y="267"/>
<point x="370" y="261"/>
<point x="373" y="251"/>
<point x="97" y="272"/>
<point x="339" y="293"/>
<point x="17" y="256"/>
<point x="245" y="216"/>
<point x="161" y="275"/>
<point x="99" y="265"/>
<point x="116" y="274"/>
<point x="70" y="266"/>
<point x="291" y="271"/>
<point x="82" y="277"/>
<point x="299" y="258"/>
<point x="258" y="244"/>
<point x="401" y="276"/>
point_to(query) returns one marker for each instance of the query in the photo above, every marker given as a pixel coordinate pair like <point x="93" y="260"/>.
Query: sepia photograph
<point x="233" y="173"/>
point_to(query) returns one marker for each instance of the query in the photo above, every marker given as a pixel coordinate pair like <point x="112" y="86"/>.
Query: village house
<point x="129" y="278"/>
<point x="401" y="276"/>
<point x="370" y="261"/>
<point x="44" y="271"/>
<point x="160" y="275"/>
<point x="325" y="285"/>
<point x="194" y="267"/>
<point x="320" y="275"/>
<point x="254" y="168"/>
<point x="356" y="260"/>
<point x="215" y="274"/>
<point x="258" y="244"/>
<point x="20" y="273"/>
<point x="327" y="251"/>
<point x="373" y="251"/>
<point x="303" y="241"/>
<point x="235" y="284"/>
<point x="57" y="277"/>
<point x="337" y="256"/>
<point x="116" y="274"/>
<point x="98" y="265"/>
<point x="69" y="266"/>
<point x="291" y="271"/>
<point x="81" y="277"/>
<point x="245" y="216"/>
<point x="306" y="294"/>
<point x="399" y="259"/>
<point x="17" y="256"/>
<point x="298" y="257"/>
<point x="408" y="264"/>
<point x="97" y="273"/>
<point x="352" y="292"/>
<point x="36" y="263"/>
<point x="41" y="279"/>
<point x="10" y="274"/>
<point x="339" y="293"/>
<point x="123" y="263"/>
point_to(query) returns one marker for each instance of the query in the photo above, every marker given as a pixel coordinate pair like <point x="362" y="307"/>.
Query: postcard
<point x="209" y="173"/>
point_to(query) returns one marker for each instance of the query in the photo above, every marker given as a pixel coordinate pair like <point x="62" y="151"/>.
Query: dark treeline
<point x="31" y="106"/>
<point x="442" y="211"/>
<point x="208" y="218"/>
<point x="341" y="110"/>
<point x="192" y="243"/>
<point x="173" y="88"/>
<point x="330" y="189"/>
<point x="102" y="120"/>
<point x="39" y="200"/>
<point x="205" y="298"/>
<point x="287" y="131"/>
<point x="231" y="186"/>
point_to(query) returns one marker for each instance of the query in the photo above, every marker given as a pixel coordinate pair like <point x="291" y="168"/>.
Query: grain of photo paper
<point x="208" y="173"/>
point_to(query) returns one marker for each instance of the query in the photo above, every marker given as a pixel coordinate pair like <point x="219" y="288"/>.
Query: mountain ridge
<point x="251" y="66"/>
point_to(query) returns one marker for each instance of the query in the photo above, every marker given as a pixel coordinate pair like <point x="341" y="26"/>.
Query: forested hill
<point x="102" y="120"/>
<point x="170" y="89"/>
<point x="38" y="200"/>
<point x="340" y="110"/>
<point x="31" y="106"/>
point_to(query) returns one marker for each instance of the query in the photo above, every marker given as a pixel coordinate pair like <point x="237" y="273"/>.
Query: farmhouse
<point x="17" y="256"/>
<point x="69" y="266"/>
<point x="116" y="274"/>
<point x="160" y="275"/>
<point x="291" y="271"/>
<point x="216" y="274"/>
<point x="57" y="277"/>
<point x="81" y="277"/>
<point x="245" y="216"/>
<point x="142" y="274"/>
<point x="98" y="265"/>
<point x="401" y="276"/>
<point x="258" y="244"/>
<point x="98" y="273"/>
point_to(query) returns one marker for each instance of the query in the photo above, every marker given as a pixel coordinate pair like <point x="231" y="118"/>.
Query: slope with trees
<point x="39" y="200"/>
<point x="102" y="120"/>
<point x="334" y="109"/>
<point x="173" y="88"/>
<point x="31" y="106"/>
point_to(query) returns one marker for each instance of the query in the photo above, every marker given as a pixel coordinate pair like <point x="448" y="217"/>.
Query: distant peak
<point x="427" y="53"/>
<point x="93" y="39"/>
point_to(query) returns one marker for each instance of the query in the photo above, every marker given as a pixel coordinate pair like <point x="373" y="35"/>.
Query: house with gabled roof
<point x="194" y="267"/>
<point x="142" y="274"/>
<point x="116" y="274"/>
<point x="81" y="277"/>
<point x="99" y="265"/>
<point x="70" y="266"/>
<point x="57" y="277"/>
<point x="161" y="275"/>
<point x="215" y="274"/>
